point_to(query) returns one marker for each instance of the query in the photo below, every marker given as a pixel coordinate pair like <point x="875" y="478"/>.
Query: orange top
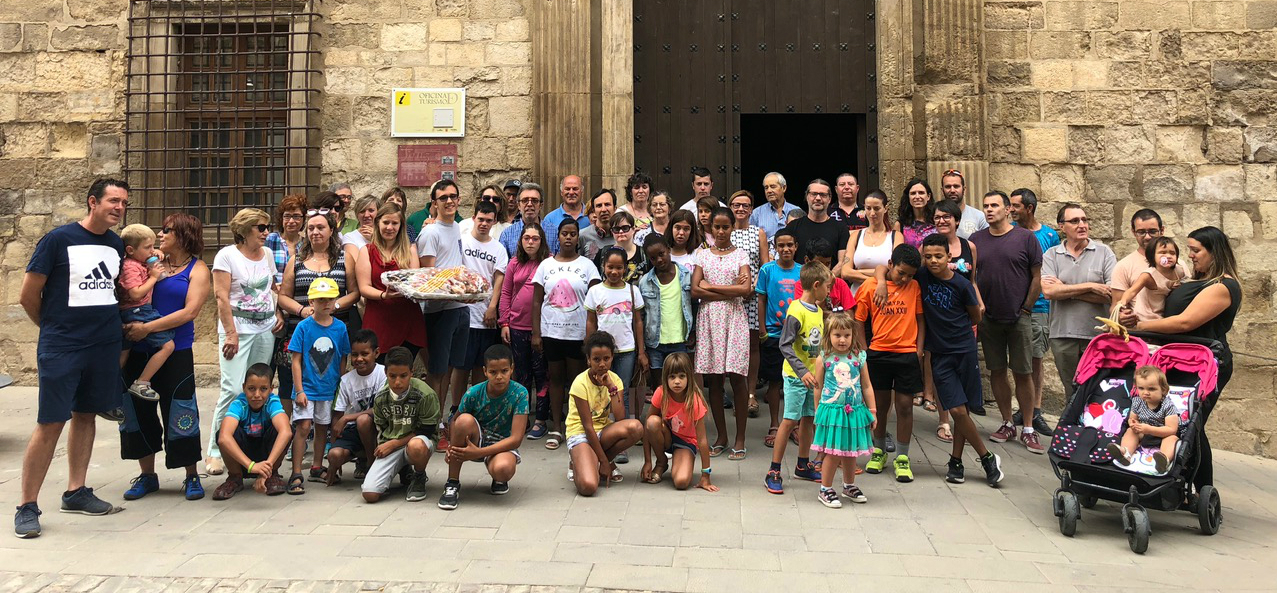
<point x="895" y="326"/>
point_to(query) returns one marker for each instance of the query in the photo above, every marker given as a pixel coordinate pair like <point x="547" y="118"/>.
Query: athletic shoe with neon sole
<point x="773" y="482"/>
<point x="876" y="461"/>
<point x="807" y="472"/>
<point x="903" y="472"/>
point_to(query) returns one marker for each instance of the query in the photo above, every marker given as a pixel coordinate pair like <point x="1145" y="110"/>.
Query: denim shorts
<point x="145" y="314"/>
<point x="656" y="356"/>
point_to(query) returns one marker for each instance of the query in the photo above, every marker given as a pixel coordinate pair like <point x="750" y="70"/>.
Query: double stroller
<point x="1097" y="414"/>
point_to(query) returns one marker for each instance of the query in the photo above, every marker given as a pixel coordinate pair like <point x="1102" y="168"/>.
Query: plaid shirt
<point x="275" y="242"/>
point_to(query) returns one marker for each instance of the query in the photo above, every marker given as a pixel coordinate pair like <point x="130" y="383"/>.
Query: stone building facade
<point x="1170" y="104"/>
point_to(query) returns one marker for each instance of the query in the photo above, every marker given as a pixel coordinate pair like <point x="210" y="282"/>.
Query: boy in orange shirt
<point x="894" y="354"/>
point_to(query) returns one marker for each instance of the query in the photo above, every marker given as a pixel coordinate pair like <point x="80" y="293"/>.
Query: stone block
<point x="1084" y="144"/>
<point x="1192" y="106"/>
<point x="954" y="128"/>
<point x="1261" y="182"/>
<point x="1268" y="220"/>
<point x="512" y="30"/>
<point x="1004" y="144"/>
<point x="1156" y="15"/>
<point x="1181" y="144"/>
<point x="90" y="37"/>
<point x="405" y="37"/>
<point x="24" y="140"/>
<point x="335" y="115"/>
<point x="1260" y="144"/>
<point x="1062" y="183"/>
<point x="477" y="120"/>
<point x="1220" y="183"/>
<point x="1259" y="45"/>
<point x="509" y="54"/>
<point x="452" y="8"/>
<point x="429" y="76"/>
<point x="483" y="154"/>
<point x="465" y="54"/>
<point x="1064" y="107"/>
<point x="17" y="72"/>
<point x="516" y="80"/>
<point x="8" y="107"/>
<point x="1081" y="16"/>
<point x="1219" y="15"/>
<point x="999" y="74"/>
<point x="1211" y="45"/>
<point x="1059" y="45"/>
<point x="40" y="11"/>
<point x="95" y="10"/>
<point x="1048" y="145"/>
<point x="1224" y="144"/>
<point x="363" y="11"/>
<point x="1013" y="108"/>
<point x="69" y="140"/>
<point x="1197" y="215"/>
<point x="1013" y="175"/>
<point x="510" y="116"/>
<point x="479" y="31"/>
<point x="1127" y="144"/>
<point x="1243" y="108"/>
<point x="1170" y="184"/>
<point x="445" y="30"/>
<point x="495" y="9"/>
<point x="371" y="114"/>
<point x="1090" y="74"/>
<point x="35" y="37"/>
<point x="63" y="71"/>
<point x="384" y="79"/>
<point x="366" y="35"/>
<point x="1261" y="15"/>
<point x="1238" y="225"/>
<point x="1170" y="45"/>
<point x="1156" y="74"/>
<point x="346" y="81"/>
<point x="1112" y="183"/>
<point x="10" y="36"/>
<point x="1052" y="74"/>
<point x="342" y="154"/>
<point x="1132" y="108"/>
<point x="519" y="153"/>
<point x="1229" y="75"/>
<point x="104" y="153"/>
<point x="1122" y="45"/>
<point x="1013" y="15"/>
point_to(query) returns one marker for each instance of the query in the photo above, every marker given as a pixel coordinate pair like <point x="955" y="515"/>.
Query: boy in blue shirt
<point x="319" y="346"/>
<point x="777" y="283"/>
<point x="254" y="436"/>
<point x="488" y="426"/>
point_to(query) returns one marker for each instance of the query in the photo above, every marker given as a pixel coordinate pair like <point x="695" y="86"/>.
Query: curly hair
<point x="290" y="202"/>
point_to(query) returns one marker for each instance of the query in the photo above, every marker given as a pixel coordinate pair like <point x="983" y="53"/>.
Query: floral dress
<point x="722" y="328"/>
<point x="842" y="418"/>
<point x="747" y="240"/>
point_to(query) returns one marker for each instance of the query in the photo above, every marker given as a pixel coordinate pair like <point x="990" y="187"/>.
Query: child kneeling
<point x="596" y="393"/>
<point x="254" y="436"/>
<point x="405" y="412"/>
<point x="675" y="426"/>
<point x="1154" y="421"/>
<point x="488" y="427"/>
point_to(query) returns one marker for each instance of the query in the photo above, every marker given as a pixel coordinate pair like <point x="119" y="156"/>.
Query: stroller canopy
<point x="1108" y="351"/>
<point x="1189" y="358"/>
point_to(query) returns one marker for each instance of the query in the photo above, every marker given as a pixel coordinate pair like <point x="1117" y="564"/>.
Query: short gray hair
<point x="529" y="186"/>
<point x="340" y="186"/>
<point x="779" y="178"/>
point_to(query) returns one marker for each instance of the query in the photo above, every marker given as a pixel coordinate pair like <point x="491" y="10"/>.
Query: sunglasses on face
<point x="625" y="228"/>
<point x="262" y="228"/>
<point x="166" y="230"/>
<point x="321" y="211"/>
<point x="1078" y="220"/>
<point x="448" y="198"/>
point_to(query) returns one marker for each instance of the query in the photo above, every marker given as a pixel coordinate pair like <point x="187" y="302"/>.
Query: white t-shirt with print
<point x="565" y="285"/>
<point x="486" y="259"/>
<point x="356" y="391"/>
<point x="615" y="308"/>
<point x="443" y="242"/>
<point x="250" y="289"/>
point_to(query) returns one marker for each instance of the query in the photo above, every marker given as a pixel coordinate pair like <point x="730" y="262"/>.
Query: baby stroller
<point x="1096" y="416"/>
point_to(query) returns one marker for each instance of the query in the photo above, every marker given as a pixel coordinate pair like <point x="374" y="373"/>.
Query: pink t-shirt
<point x="132" y="275"/>
<point x="681" y="422"/>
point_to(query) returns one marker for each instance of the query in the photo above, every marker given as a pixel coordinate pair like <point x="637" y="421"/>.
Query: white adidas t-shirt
<point x="486" y="259"/>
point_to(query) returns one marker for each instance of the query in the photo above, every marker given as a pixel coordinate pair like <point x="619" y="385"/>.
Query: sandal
<point x="658" y="471"/>
<point x="717" y="450"/>
<point x="296" y="484"/>
<point x="917" y="400"/>
<point x="753" y="407"/>
<point x="617" y="477"/>
<point x="553" y="439"/>
<point x="929" y="405"/>
<point x="736" y="454"/>
<point x="944" y="433"/>
<point x="770" y="440"/>
<point x="319" y="474"/>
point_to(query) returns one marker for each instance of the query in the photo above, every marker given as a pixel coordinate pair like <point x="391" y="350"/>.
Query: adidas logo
<point x="100" y="277"/>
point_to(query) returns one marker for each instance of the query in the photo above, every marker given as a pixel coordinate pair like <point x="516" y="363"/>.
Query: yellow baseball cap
<point x="323" y="288"/>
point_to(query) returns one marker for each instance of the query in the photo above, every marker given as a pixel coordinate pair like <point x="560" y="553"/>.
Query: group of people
<point x="610" y="322"/>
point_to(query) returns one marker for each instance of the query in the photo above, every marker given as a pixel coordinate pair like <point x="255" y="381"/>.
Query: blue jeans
<point x="623" y="365"/>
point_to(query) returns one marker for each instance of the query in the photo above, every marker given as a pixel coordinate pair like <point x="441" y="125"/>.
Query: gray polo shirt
<point x="1075" y="318"/>
<point x="973" y="220"/>
<point x="591" y="243"/>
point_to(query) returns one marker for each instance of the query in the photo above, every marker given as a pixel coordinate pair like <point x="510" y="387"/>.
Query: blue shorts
<point x="349" y="440"/>
<point x="85" y="381"/>
<point x="957" y="379"/>
<point x="677" y="442"/>
<point x="481" y="338"/>
<point x="800" y="402"/>
<point x="656" y="356"/>
<point x="448" y="332"/>
<point x="771" y="364"/>
<point x="145" y="314"/>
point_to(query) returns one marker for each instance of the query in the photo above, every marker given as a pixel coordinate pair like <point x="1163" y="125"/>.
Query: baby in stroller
<point x="1154" y="421"/>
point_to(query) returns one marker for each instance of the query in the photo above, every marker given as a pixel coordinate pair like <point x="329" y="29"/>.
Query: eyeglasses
<point x="1148" y="233"/>
<point x="319" y="211"/>
<point x="166" y="230"/>
<point x="741" y="206"/>
<point x="818" y="194"/>
<point x="448" y="198"/>
<point x="1078" y="220"/>
<point x="262" y="228"/>
<point x="943" y="217"/>
<point x="530" y="201"/>
<point x="625" y="228"/>
<point x="292" y="217"/>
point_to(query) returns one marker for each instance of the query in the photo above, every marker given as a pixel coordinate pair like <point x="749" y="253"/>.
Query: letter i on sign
<point x="403" y="98"/>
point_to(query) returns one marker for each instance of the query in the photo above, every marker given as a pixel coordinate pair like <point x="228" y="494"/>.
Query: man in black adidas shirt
<point x="69" y="292"/>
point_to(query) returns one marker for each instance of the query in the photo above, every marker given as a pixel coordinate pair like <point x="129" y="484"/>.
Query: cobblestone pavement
<point x="542" y="538"/>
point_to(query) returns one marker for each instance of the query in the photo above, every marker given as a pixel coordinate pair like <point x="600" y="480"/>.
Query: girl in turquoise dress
<point x="845" y="414"/>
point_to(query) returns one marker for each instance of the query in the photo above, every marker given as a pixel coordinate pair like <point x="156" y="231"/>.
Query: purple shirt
<point x="1006" y="271"/>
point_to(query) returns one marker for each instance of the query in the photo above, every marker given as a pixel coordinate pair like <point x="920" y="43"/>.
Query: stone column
<point x="582" y="92"/>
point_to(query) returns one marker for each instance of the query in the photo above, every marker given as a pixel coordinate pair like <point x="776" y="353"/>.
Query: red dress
<point x="395" y="321"/>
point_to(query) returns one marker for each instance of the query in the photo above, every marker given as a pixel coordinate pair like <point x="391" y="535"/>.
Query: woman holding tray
<point x="396" y="320"/>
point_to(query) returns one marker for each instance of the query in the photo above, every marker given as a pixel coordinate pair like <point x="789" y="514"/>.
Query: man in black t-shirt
<point x="817" y="223"/>
<point x="69" y="293"/>
<point x="849" y="209"/>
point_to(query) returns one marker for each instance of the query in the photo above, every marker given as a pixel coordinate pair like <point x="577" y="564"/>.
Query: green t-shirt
<point x="414" y="412"/>
<point x="672" y="322"/>
<point x="495" y="415"/>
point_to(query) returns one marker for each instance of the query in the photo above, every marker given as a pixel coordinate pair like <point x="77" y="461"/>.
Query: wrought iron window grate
<point x="221" y="108"/>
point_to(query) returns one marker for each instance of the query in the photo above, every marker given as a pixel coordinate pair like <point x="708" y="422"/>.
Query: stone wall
<point x="1164" y="104"/>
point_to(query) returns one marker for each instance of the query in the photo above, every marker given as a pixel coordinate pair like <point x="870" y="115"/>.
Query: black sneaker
<point x="451" y="494"/>
<point x="1018" y="419"/>
<point x="114" y="415"/>
<point x="977" y="410"/>
<point x="26" y="523"/>
<point x="890" y="445"/>
<point x="500" y="488"/>
<point x="992" y="469"/>
<point x="956" y="473"/>
<point x="1040" y="424"/>
<point x="405" y="476"/>
<point x="83" y="501"/>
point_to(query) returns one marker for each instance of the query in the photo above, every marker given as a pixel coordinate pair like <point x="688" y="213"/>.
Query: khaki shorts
<point x="1007" y="345"/>
<point x="1041" y="336"/>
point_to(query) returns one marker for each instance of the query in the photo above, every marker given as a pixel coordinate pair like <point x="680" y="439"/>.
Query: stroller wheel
<point x="1088" y="500"/>
<point x="1138" y="530"/>
<point x="1209" y="511"/>
<point x="1070" y="512"/>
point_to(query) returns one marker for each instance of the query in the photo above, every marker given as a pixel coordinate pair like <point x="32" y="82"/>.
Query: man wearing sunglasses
<point x="954" y="187"/>
<point x="597" y="237"/>
<point x="1076" y="275"/>
<point x="447" y="322"/>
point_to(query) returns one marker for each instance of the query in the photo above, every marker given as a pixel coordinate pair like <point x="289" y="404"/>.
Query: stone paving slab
<point x="542" y="538"/>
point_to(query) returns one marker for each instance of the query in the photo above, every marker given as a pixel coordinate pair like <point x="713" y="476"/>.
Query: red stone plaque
<point x="420" y="165"/>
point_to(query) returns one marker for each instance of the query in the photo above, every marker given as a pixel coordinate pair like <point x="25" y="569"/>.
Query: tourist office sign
<point x="428" y="113"/>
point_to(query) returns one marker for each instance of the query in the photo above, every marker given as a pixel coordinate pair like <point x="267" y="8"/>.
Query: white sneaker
<point x="829" y="498"/>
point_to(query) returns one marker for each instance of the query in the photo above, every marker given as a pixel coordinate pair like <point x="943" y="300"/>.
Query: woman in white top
<point x="493" y="195"/>
<point x="243" y="281"/>
<point x="871" y="246"/>
<point x="637" y="191"/>
<point x="365" y="211"/>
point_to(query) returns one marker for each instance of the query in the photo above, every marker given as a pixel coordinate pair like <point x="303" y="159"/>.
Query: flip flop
<point x="944" y="433"/>
<point x="917" y="400"/>
<point x="717" y="450"/>
<point x="753" y="407"/>
<point x="736" y="454"/>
